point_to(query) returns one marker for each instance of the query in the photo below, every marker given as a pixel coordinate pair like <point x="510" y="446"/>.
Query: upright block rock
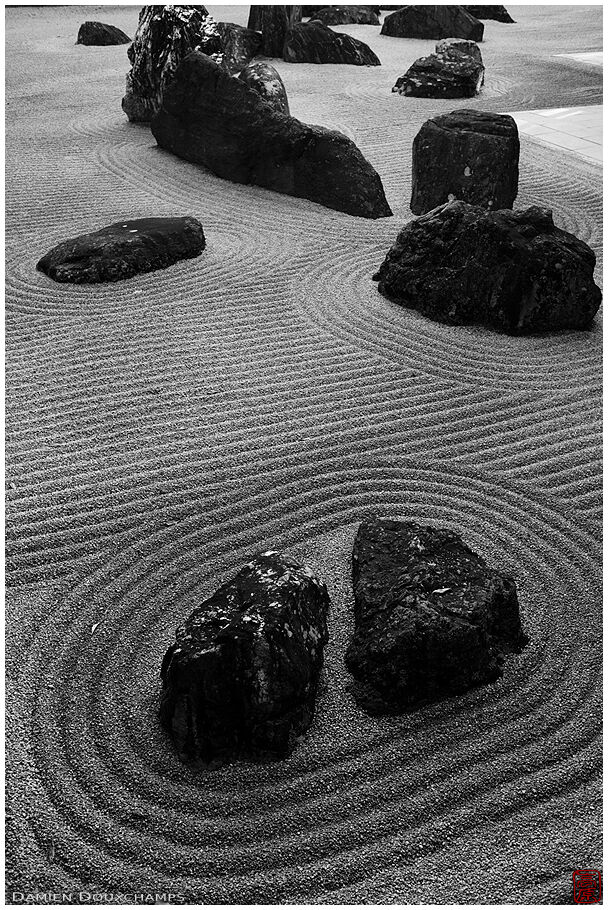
<point x="513" y="271"/>
<point x="432" y="22"/>
<point x="273" y="22"/>
<point x="467" y="154"/>
<point x="241" y="679"/>
<point x="432" y="618"/>
<point x="212" y="119"/>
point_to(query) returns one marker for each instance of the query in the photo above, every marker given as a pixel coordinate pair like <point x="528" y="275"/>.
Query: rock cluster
<point x="510" y="270"/>
<point x="266" y="81"/>
<point x="273" y="22"/>
<point x="99" y="34"/>
<point x="241" y="679"/>
<point x="492" y="11"/>
<point x="347" y="15"/>
<point x="431" y="618"/>
<point x="468" y="154"/>
<point x="449" y="75"/>
<point x="124" y="249"/>
<point x="432" y="22"/>
<point x="212" y="119"/>
<point x="314" y="42"/>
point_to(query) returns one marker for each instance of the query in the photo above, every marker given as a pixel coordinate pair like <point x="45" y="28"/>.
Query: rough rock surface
<point x="511" y="270"/>
<point x="124" y="249"/>
<point x="432" y="22"/>
<point x="273" y="22"/>
<point x="265" y="80"/>
<point x="313" y="11"/>
<point x="468" y="154"/>
<point x="239" y="46"/>
<point x="431" y="618"/>
<point x="164" y="36"/>
<point x="346" y="15"/>
<point x="458" y="47"/>
<point x="242" y="677"/>
<point x="313" y="42"/>
<point x="215" y="120"/>
<point x="499" y="13"/>
<point x="100" y="34"/>
<point x="441" y="76"/>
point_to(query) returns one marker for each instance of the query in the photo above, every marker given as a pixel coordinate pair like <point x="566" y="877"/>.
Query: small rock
<point x="492" y="11"/>
<point x="124" y="249"/>
<point x="265" y="80"/>
<point x="241" y="679"/>
<point x="441" y="76"/>
<point x="99" y="34"/>
<point x="431" y="618"/>
<point x="511" y="270"/>
<point x="433" y="21"/>
<point x="314" y="42"/>
<point x="458" y="47"/>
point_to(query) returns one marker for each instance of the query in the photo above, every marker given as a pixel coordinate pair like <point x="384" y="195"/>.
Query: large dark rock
<point x="469" y="155"/>
<point x="239" y="46"/>
<point x="265" y="80"/>
<point x="313" y="42"/>
<point x="212" y="119"/>
<point x="431" y="618"/>
<point x="441" y="76"/>
<point x="313" y="11"/>
<point x="99" y="34"/>
<point x="124" y="249"/>
<point x="513" y="271"/>
<point x="346" y="15"/>
<point x="241" y="679"/>
<point x="499" y="13"/>
<point x="164" y="36"/>
<point x="458" y="47"/>
<point x="273" y="22"/>
<point x="432" y="22"/>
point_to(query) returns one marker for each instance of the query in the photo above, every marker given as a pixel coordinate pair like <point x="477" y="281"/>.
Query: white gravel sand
<point x="161" y="429"/>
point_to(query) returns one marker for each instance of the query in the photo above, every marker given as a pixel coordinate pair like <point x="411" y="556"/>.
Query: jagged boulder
<point x="241" y="679"/>
<point x="510" y="270"/>
<point x="265" y="80"/>
<point x="124" y="249"/>
<point x="313" y="42"/>
<point x="458" y="47"/>
<point x="432" y="619"/>
<point x="164" y="36"/>
<point x="238" y="46"/>
<point x="499" y="13"/>
<point x="468" y="154"/>
<point x="432" y="22"/>
<point x="101" y="35"/>
<point x="347" y="15"/>
<point x="441" y="76"/>
<point x="273" y="22"/>
<point x="212" y="119"/>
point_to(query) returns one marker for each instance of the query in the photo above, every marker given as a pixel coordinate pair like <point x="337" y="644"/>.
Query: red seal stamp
<point x="587" y="886"/>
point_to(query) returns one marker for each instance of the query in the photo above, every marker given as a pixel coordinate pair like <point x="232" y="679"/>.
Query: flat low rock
<point x="432" y="21"/>
<point x="492" y="11"/>
<point x="266" y="81"/>
<point x="241" y="679"/>
<point x="212" y="119"/>
<point x="432" y="619"/>
<point x="124" y="249"/>
<point x="467" y="154"/>
<point x="440" y="76"/>
<point x="458" y="47"/>
<point x="314" y="42"/>
<point x="513" y="271"/>
<point x="101" y="35"/>
<point x="347" y="15"/>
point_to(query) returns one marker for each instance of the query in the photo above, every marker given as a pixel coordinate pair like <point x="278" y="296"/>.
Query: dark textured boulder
<point x="241" y="679"/>
<point x="511" y="270"/>
<point x="458" y="47"/>
<point x="239" y="46"/>
<point x="212" y="119"/>
<point x="164" y="36"/>
<point x="273" y="22"/>
<point x="99" y="34"/>
<point x="313" y="11"/>
<point x="124" y="249"/>
<point x="467" y="154"/>
<point x="265" y="80"/>
<point x="431" y="618"/>
<point x="347" y="15"/>
<point x="440" y="76"/>
<point x="313" y="42"/>
<point x="499" y="13"/>
<point x="432" y="22"/>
